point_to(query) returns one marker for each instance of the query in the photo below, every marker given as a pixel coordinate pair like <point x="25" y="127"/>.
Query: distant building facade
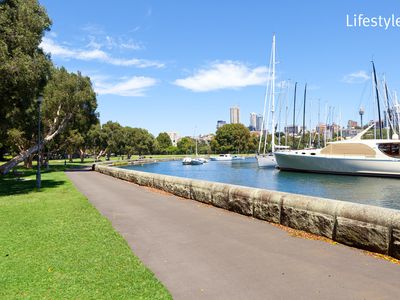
<point x="293" y="129"/>
<point x="259" y="121"/>
<point x="351" y="124"/>
<point x="220" y="123"/>
<point x="174" y="136"/>
<point x="253" y="121"/>
<point x="235" y="113"/>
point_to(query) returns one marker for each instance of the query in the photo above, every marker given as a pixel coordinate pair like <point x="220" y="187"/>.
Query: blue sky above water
<point x="179" y="65"/>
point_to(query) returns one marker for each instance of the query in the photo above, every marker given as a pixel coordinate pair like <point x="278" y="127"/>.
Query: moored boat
<point x="187" y="161"/>
<point x="374" y="157"/>
<point x="221" y="157"/>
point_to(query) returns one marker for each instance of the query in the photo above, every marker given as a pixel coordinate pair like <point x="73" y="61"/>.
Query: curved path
<point x="202" y="252"/>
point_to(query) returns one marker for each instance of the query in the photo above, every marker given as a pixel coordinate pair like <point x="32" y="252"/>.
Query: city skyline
<point x="145" y="59"/>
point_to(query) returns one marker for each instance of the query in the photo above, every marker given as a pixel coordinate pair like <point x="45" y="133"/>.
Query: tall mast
<point x="304" y="114"/>
<point x="286" y="114"/>
<point x="389" y="118"/>
<point x="310" y="126"/>
<point x="294" y="113"/>
<point x="377" y="101"/>
<point x="273" y="96"/>
<point x="267" y="90"/>
<point x="319" y="123"/>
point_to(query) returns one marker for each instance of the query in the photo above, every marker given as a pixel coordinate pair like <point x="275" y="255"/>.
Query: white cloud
<point x="135" y="86"/>
<point x="57" y="50"/>
<point x="224" y="75"/>
<point x="356" y="77"/>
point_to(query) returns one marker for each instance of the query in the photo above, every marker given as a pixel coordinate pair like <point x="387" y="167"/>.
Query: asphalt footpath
<point x="201" y="252"/>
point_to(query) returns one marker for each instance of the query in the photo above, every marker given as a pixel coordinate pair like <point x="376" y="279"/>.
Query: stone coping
<point x="367" y="227"/>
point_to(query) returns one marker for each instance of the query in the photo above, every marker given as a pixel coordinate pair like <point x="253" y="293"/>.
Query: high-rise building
<point x="220" y="123"/>
<point x="259" y="122"/>
<point x="253" y="121"/>
<point x="235" y="115"/>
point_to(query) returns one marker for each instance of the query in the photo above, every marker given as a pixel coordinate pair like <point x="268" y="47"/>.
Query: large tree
<point x="232" y="138"/>
<point x="113" y="136"/>
<point x="163" y="142"/>
<point x="69" y="103"/>
<point x="24" y="67"/>
<point x="186" y="145"/>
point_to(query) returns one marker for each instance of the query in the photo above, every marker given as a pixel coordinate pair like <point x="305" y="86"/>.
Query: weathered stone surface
<point x="201" y="191"/>
<point x="158" y="181"/>
<point x="144" y="179"/>
<point x="177" y="186"/>
<point x="241" y="200"/>
<point x="362" y="235"/>
<point x="313" y="222"/>
<point x="267" y="206"/>
<point x="132" y="177"/>
<point x="396" y="243"/>
<point x="220" y="195"/>
<point x="123" y="174"/>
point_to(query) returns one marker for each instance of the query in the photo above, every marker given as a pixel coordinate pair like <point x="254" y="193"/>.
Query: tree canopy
<point x="231" y="138"/>
<point x="24" y="67"/>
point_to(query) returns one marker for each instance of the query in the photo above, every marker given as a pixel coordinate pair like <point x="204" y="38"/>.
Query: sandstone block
<point x="267" y="206"/>
<point x="362" y="235"/>
<point x="313" y="222"/>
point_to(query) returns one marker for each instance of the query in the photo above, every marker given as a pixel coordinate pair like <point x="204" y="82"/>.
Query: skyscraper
<point x="235" y="115"/>
<point x="253" y="121"/>
<point x="259" y="122"/>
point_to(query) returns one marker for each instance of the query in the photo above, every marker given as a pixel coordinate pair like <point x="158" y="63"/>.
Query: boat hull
<point x="338" y="165"/>
<point x="266" y="161"/>
<point x="221" y="158"/>
<point x="196" y="162"/>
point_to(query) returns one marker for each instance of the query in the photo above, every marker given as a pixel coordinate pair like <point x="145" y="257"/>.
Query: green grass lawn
<point x="55" y="245"/>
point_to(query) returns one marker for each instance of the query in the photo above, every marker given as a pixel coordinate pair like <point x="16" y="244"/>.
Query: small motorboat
<point x="204" y="160"/>
<point x="196" y="161"/>
<point x="238" y="157"/>
<point x="221" y="157"/>
<point x="187" y="161"/>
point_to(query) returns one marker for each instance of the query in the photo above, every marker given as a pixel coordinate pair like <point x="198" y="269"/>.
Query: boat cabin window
<point x="390" y="149"/>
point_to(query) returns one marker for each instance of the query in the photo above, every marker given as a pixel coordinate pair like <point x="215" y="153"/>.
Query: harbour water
<point x="384" y="192"/>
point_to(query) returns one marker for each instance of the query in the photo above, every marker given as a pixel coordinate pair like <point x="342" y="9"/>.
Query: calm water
<point x="383" y="192"/>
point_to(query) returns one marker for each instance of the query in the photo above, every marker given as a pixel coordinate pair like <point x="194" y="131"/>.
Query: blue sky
<point x="179" y="65"/>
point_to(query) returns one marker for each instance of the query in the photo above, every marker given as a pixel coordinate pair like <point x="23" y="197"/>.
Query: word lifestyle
<point x="361" y="20"/>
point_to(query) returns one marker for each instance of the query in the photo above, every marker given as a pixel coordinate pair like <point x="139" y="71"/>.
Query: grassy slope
<point x="55" y="245"/>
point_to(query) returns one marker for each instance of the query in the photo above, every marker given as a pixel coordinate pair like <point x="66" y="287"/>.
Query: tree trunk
<point x="82" y="154"/>
<point x="101" y="153"/>
<point x="70" y="158"/>
<point x="5" y="168"/>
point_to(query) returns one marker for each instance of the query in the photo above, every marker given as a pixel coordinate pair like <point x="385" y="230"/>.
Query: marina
<point x="383" y="192"/>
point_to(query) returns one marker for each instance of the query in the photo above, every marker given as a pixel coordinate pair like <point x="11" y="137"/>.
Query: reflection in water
<point x="367" y="190"/>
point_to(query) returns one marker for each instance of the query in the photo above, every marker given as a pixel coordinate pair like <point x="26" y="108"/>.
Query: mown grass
<point x="55" y="245"/>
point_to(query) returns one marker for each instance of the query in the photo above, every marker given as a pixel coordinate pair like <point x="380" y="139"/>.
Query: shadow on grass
<point x="10" y="184"/>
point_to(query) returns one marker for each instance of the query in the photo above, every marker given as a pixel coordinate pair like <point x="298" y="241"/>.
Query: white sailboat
<point x="194" y="161"/>
<point x="267" y="159"/>
<point x="376" y="157"/>
<point x="356" y="156"/>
